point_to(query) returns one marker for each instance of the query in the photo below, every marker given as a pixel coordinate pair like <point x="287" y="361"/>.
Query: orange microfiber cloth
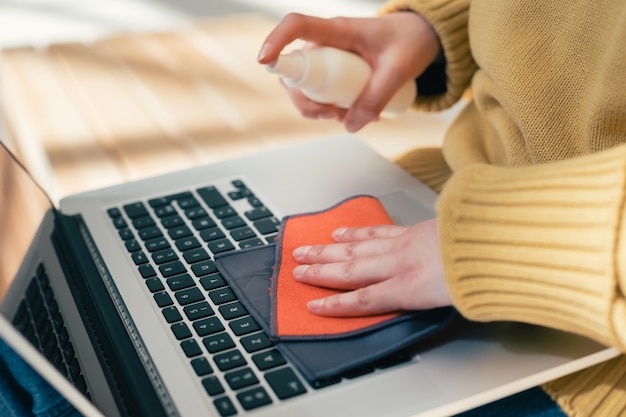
<point x="291" y="317"/>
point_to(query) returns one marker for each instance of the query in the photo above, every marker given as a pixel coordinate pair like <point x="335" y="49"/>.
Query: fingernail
<point x="315" y="305"/>
<point x="262" y="52"/>
<point x="354" y="125"/>
<point x="301" y="251"/>
<point x="339" y="232"/>
<point x="299" y="270"/>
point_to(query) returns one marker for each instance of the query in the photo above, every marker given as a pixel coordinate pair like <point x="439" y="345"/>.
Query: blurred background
<point x="34" y="22"/>
<point x="94" y="93"/>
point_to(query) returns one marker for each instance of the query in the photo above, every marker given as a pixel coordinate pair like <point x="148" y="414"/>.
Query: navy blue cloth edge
<point x="305" y="354"/>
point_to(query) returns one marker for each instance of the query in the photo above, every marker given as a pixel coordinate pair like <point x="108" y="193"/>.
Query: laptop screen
<point x="22" y="207"/>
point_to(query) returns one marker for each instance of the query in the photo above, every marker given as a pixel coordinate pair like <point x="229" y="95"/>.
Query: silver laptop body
<point x="130" y="355"/>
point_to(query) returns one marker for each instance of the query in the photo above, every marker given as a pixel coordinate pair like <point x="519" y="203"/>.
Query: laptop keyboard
<point x="38" y="318"/>
<point x="172" y="241"/>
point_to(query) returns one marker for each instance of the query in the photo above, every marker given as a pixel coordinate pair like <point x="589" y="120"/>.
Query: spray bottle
<point x="334" y="76"/>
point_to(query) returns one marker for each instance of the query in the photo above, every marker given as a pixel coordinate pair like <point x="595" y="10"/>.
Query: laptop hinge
<point x="135" y="384"/>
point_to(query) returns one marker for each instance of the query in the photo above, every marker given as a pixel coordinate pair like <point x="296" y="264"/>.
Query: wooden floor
<point x="133" y="105"/>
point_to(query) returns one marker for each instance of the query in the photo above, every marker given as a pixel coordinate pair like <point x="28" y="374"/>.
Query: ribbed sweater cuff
<point x="538" y="244"/>
<point x="427" y="165"/>
<point x="449" y="19"/>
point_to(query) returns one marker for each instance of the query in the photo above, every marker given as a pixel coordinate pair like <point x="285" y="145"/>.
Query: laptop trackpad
<point x="404" y="209"/>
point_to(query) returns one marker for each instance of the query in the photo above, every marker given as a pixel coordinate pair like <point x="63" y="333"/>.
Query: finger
<point x="385" y="80"/>
<point x="341" y="252"/>
<point x="383" y="231"/>
<point x="311" y="109"/>
<point x="345" y="275"/>
<point x="308" y="28"/>
<point x="371" y="300"/>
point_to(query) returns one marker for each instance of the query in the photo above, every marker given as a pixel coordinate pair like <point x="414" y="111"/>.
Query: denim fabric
<point x="531" y="403"/>
<point x="24" y="393"/>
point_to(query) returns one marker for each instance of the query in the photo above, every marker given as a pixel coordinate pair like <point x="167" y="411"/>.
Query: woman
<point x="532" y="173"/>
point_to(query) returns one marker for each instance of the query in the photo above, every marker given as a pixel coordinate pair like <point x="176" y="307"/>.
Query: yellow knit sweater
<point x="533" y="173"/>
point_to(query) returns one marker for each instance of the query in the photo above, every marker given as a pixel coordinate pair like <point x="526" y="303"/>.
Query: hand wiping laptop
<point x="323" y="347"/>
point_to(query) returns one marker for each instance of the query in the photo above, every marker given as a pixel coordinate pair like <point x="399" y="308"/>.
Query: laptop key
<point x="179" y="232"/>
<point x="139" y="257"/>
<point x="212" y="197"/>
<point x="181" y="331"/>
<point x="195" y="212"/>
<point x="195" y="255"/>
<point x="229" y="360"/>
<point x="188" y="296"/>
<point x="198" y="311"/>
<point x="171" y="314"/>
<point x="221" y="245"/>
<point x="218" y="342"/>
<point x="156" y="244"/>
<point x="225" y="407"/>
<point x="164" y="256"/>
<point x="164" y="211"/>
<point x="285" y="383"/>
<point x="258" y="213"/>
<point x="233" y="310"/>
<point x="126" y="233"/>
<point x="241" y="378"/>
<point x="208" y="326"/>
<point x="250" y="243"/>
<point x="187" y="243"/>
<point x="222" y="295"/>
<point x="187" y="202"/>
<point x="142" y="222"/>
<point x="150" y="233"/>
<point x="163" y="299"/>
<point x="135" y="210"/>
<point x="212" y="386"/>
<point x="255" y="342"/>
<point x="201" y="366"/>
<point x="172" y="268"/>
<point x="268" y="360"/>
<point x="172" y="221"/>
<point x="211" y="234"/>
<point x="119" y="223"/>
<point x="114" y="212"/>
<point x="224" y="211"/>
<point x="132" y="245"/>
<point x="244" y="326"/>
<point x="204" y="268"/>
<point x="146" y="270"/>
<point x="254" y="398"/>
<point x="233" y="222"/>
<point x="154" y="284"/>
<point x="254" y="202"/>
<point x="180" y="282"/>
<point x="191" y="348"/>
<point x="203" y="223"/>
<point x="267" y="226"/>
<point x="242" y="233"/>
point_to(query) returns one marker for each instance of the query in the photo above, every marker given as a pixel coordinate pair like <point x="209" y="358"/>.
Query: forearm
<point x="541" y="244"/>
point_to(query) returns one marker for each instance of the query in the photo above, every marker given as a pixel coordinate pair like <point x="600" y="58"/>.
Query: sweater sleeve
<point x="540" y="244"/>
<point x="449" y="19"/>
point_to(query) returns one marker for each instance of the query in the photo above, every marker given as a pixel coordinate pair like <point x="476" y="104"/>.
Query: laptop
<point x="105" y="297"/>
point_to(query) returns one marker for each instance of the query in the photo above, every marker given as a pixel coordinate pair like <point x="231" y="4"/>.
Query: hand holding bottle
<point x="398" y="47"/>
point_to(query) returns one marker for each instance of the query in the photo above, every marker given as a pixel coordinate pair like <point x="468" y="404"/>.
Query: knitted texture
<point x="531" y="220"/>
